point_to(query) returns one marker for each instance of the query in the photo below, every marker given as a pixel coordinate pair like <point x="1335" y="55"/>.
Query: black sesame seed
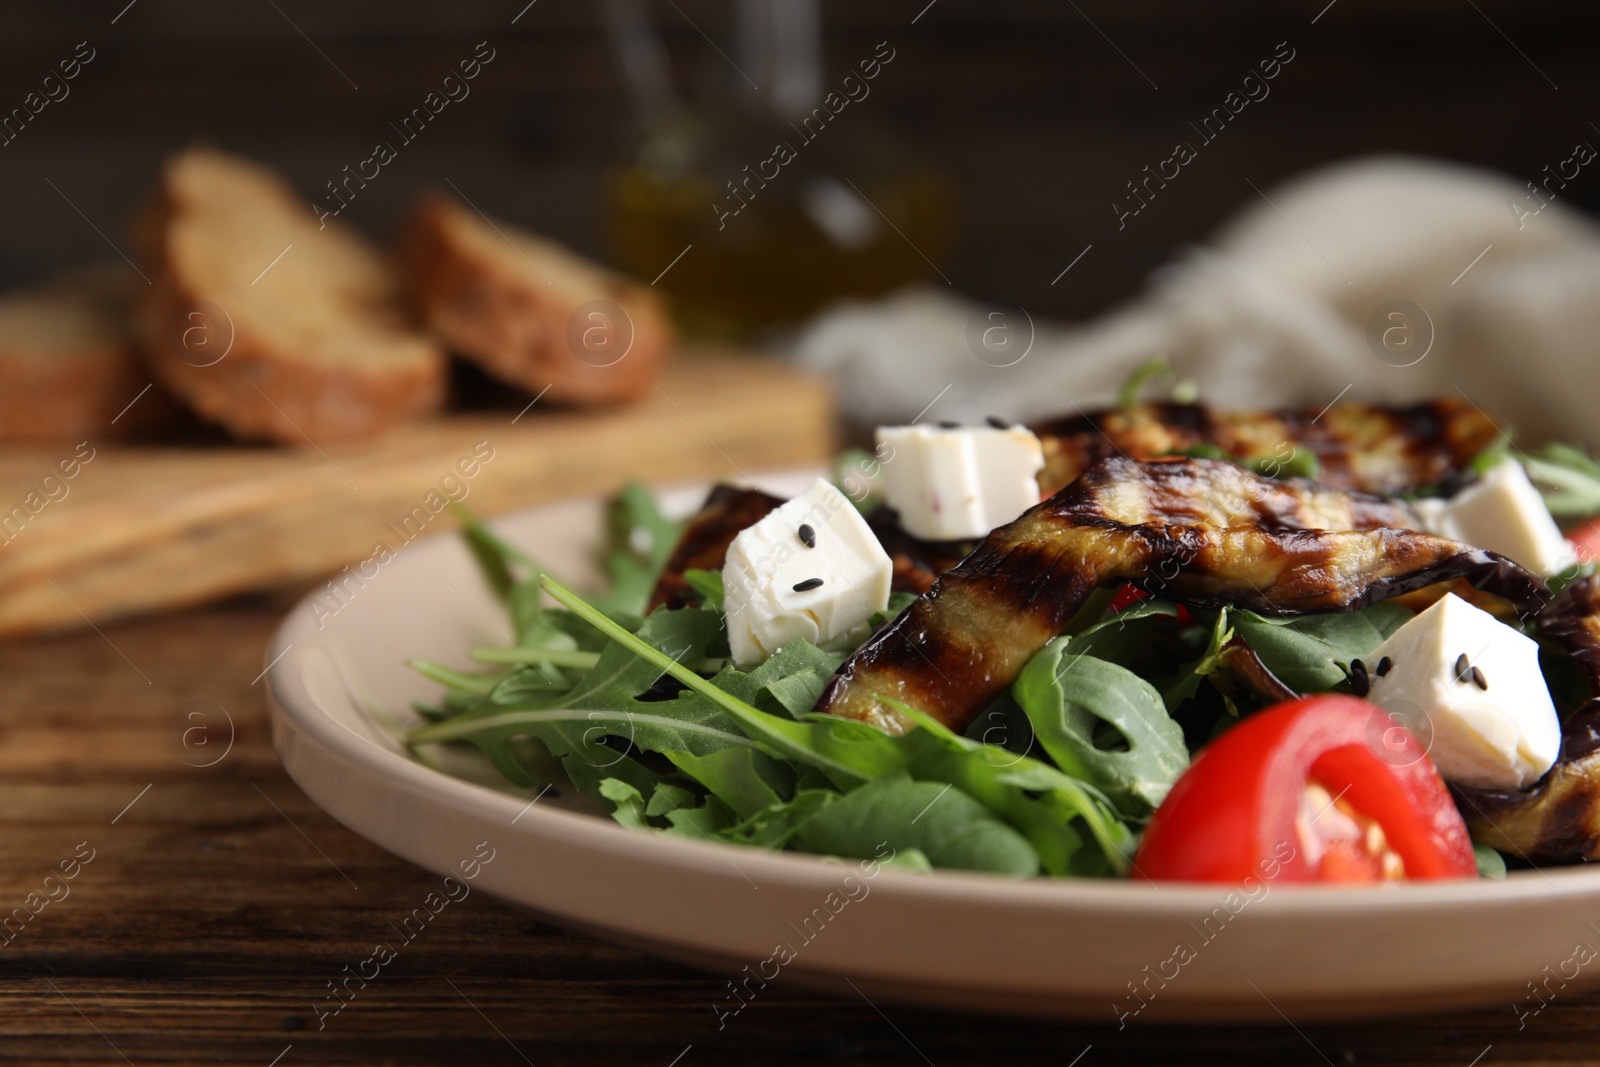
<point x="946" y="424"/>
<point x="807" y="585"/>
<point x="997" y="422"/>
<point x="1463" y="667"/>
<point x="1479" y="680"/>
<point x="1360" y="684"/>
<point x="808" y="536"/>
<point x="1385" y="665"/>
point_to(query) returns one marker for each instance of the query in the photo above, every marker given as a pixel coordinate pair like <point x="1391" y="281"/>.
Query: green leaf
<point x="941" y="821"/>
<point x="898" y="602"/>
<point x="461" y="681"/>
<point x="859" y="476"/>
<point x="702" y="822"/>
<point x="1204" y="450"/>
<point x="1300" y="463"/>
<point x="746" y="780"/>
<point x="776" y="826"/>
<point x="1187" y="684"/>
<point x="1044" y="803"/>
<point x="1124" y="638"/>
<point x="639" y="542"/>
<point x="1312" y="653"/>
<point x="626" y="802"/>
<point x="499" y="560"/>
<point x="576" y="724"/>
<point x="791" y="681"/>
<point x="1067" y="695"/>
<point x="1491" y="457"/>
<point x="1490" y="863"/>
<point x="668" y="797"/>
<point x="1128" y="395"/>
<point x="1570" y="480"/>
<point x="707" y="585"/>
<point x="1035" y="798"/>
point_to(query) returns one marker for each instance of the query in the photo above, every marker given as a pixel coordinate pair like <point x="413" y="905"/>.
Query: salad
<point x="1155" y="641"/>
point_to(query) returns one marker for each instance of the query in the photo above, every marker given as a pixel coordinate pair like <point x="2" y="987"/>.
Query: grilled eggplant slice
<point x="1362" y="447"/>
<point x="1557" y="820"/>
<point x="1204" y="532"/>
<point x="706" y="537"/>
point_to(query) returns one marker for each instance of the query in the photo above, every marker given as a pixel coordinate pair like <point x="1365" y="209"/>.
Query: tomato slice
<point x="1586" y="540"/>
<point x="1320" y="789"/>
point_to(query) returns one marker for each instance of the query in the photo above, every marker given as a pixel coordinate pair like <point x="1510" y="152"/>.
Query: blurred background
<point x="898" y="202"/>
<point x="1016" y="123"/>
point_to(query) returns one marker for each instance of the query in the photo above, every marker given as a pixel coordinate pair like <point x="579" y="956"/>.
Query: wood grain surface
<point x="136" y="529"/>
<point x="220" y="902"/>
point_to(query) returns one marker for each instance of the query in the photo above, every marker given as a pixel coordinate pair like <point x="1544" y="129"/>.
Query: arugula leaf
<point x="1301" y="463"/>
<point x="1068" y="694"/>
<point x="940" y="821"/>
<point x="1491" y="456"/>
<point x="1128" y="395"/>
<point x="898" y="602"/>
<point x="792" y="679"/>
<point x="1312" y="653"/>
<point x="1490" y="863"/>
<point x="859" y="476"/>
<point x="639" y="542"/>
<point x="510" y="572"/>
<point x="708" y="585"/>
<point x="576" y="724"/>
<point x="1204" y="450"/>
<point x="1124" y="637"/>
<point x="1573" y="479"/>
<point x="627" y="803"/>
<point x="1036" y="798"/>
<point x="461" y="681"/>
<point x="1033" y="797"/>
<point x="777" y="825"/>
<point x="497" y="558"/>
<point x="1194" y="672"/>
<point x="747" y="781"/>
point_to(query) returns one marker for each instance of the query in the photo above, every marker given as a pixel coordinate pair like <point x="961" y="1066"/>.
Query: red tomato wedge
<point x="1320" y="789"/>
<point x="1586" y="540"/>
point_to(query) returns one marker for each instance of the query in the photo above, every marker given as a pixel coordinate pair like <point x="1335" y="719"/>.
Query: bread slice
<point x="529" y="311"/>
<point x="270" y="321"/>
<point x="69" y="362"/>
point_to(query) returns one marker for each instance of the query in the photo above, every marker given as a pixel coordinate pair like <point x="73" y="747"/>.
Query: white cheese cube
<point x="957" y="484"/>
<point x="810" y="569"/>
<point x="1504" y="736"/>
<point x="1504" y="513"/>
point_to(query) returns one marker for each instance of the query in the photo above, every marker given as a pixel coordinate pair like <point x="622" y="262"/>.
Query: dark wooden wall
<point x="1026" y="105"/>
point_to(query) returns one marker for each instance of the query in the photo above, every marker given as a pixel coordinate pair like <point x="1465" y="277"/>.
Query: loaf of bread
<point x="529" y="311"/>
<point x="270" y="321"/>
<point x="69" y="362"/>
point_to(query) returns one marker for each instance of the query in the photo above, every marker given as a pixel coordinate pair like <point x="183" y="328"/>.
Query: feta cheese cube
<point x="958" y="484"/>
<point x="1500" y="734"/>
<point x="811" y="569"/>
<point x="1504" y="513"/>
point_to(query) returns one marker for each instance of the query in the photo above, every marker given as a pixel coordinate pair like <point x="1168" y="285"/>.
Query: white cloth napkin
<point x="1293" y="302"/>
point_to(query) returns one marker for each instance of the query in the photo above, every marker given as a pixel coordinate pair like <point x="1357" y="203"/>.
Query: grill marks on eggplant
<point x="726" y="512"/>
<point x="1203" y="532"/>
<point x="1558" y="819"/>
<point x="1362" y="447"/>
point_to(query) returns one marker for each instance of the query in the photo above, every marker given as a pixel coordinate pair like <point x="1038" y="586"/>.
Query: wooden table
<point x="219" y="902"/>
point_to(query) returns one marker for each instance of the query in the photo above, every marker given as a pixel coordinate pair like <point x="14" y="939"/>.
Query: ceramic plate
<point x="1104" y="951"/>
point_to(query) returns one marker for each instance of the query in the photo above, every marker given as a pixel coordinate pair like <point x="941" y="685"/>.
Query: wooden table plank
<point x="216" y="909"/>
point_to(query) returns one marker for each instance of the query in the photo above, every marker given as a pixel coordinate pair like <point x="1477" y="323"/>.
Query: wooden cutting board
<point x="140" y="529"/>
